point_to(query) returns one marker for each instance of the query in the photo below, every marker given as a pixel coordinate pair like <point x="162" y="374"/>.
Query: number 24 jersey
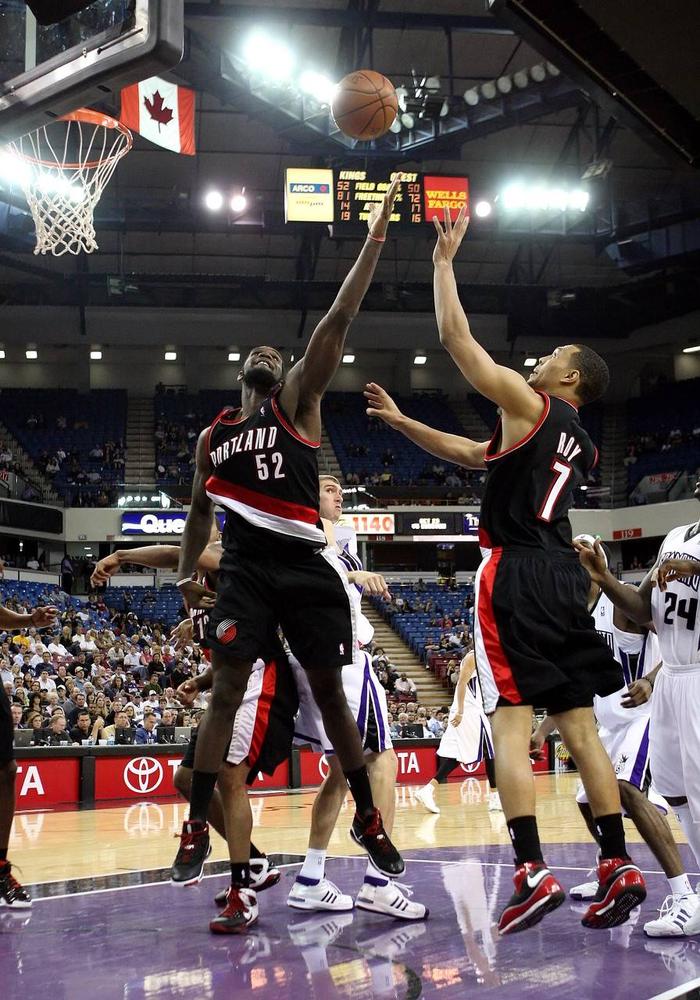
<point x="675" y="612"/>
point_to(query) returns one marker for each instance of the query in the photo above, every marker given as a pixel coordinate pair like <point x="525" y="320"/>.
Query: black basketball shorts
<point x="535" y="641"/>
<point x="300" y="589"/>
<point x="263" y="728"/>
<point x="7" y="729"/>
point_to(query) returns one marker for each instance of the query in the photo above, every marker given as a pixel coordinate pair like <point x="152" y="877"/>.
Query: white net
<point x="63" y="169"/>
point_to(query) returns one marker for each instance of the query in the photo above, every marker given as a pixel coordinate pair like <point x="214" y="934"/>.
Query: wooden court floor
<point x="54" y="846"/>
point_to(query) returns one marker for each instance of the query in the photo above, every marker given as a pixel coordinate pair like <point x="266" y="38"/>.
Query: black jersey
<point x="266" y="476"/>
<point x="529" y="487"/>
<point x="200" y="616"/>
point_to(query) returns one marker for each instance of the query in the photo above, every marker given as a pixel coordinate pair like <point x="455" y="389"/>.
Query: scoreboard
<point x="346" y="196"/>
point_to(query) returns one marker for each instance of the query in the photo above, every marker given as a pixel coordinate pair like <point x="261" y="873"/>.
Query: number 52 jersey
<point x="675" y="612"/>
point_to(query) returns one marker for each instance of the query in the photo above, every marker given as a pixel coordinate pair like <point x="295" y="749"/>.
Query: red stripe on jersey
<point x="268" y="505"/>
<point x="528" y="437"/>
<point x="277" y="410"/>
<point x="262" y="716"/>
<point x="500" y="668"/>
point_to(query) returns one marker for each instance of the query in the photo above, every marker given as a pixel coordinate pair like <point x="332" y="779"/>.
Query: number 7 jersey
<point x="675" y="612"/>
<point x="265" y="474"/>
<point x="530" y="486"/>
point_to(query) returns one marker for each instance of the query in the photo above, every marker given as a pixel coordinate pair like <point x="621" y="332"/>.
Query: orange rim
<point x="88" y="117"/>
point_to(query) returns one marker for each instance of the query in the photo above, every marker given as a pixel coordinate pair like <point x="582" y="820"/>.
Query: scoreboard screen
<point x="345" y="196"/>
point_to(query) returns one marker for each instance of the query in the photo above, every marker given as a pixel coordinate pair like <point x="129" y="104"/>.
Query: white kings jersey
<point x="636" y="654"/>
<point x="346" y="541"/>
<point x="675" y="612"/>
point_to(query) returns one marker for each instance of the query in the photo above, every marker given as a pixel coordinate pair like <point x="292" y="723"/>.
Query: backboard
<point x="48" y="71"/>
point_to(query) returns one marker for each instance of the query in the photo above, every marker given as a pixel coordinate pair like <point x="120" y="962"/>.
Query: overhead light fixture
<point x="483" y="209"/>
<point x="408" y="120"/>
<point x="402" y="97"/>
<point x="420" y="359"/>
<point x="268" y="56"/>
<point x="488" y="90"/>
<point x="2" y="355"/>
<point x="552" y="69"/>
<point x="238" y="203"/>
<point x="234" y="356"/>
<point x="538" y="72"/>
<point x="348" y="359"/>
<point x="170" y="355"/>
<point x="521" y="79"/>
<point x="530" y="362"/>
<point x="691" y="350"/>
<point x="96" y="355"/>
<point x="214" y="200"/>
<point x="396" y="125"/>
<point x="318" y="86"/>
<point x="471" y="97"/>
<point x="31" y="355"/>
<point x="504" y="84"/>
<point x="521" y="197"/>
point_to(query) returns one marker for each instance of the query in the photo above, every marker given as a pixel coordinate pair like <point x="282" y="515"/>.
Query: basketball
<point x="364" y="105"/>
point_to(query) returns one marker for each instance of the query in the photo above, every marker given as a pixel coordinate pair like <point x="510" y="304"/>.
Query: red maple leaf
<point x="157" y="109"/>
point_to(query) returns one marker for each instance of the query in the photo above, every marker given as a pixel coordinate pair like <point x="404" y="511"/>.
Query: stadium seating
<point x="176" y="414"/>
<point x="162" y="604"/>
<point x="415" y="627"/>
<point x="651" y="422"/>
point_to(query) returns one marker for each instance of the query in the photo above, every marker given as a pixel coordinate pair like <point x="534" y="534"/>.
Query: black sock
<point x="490" y="765"/>
<point x="447" y="766"/>
<point x="255" y="853"/>
<point x="525" y="838"/>
<point x="240" y="874"/>
<point x="3" y="853"/>
<point x="361" y="790"/>
<point x="203" y="784"/>
<point x="611" y="836"/>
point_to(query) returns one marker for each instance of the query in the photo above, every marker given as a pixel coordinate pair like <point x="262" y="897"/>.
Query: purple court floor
<point x="111" y="939"/>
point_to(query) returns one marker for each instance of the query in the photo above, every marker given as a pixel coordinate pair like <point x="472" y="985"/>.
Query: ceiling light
<point x="318" y="86"/>
<point x="483" y="209"/>
<point x="488" y="90"/>
<point x="432" y="84"/>
<point x="691" y="350"/>
<point x="539" y="197"/>
<point x="268" y="57"/>
<point x="238" y="203"/>
<point x="504" y="84"/>
<point x="214" y="200"/>
<point x="348" y="359"/>
<point x="521" y="79"/>
<point x="530" y="362"/>
<point x="538" y="72"/>
<point x="31" y="355"/>
<point x="552" y="69"/>
<point x="234" y="356"/>
<point x="408" y="120"/>
<point x="170" y="355"/>
<point x="471" y="97"/>
<point x="402" y="97"/>
<point x="96" y="355"/>
<point x="2" y="355"/>
<point x="395" y="125"/>
<point x="420" y="359"/>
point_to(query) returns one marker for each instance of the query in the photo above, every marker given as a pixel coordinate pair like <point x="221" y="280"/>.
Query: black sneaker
<point x="240" y="912"/>
<point x="194" y="850"/>
<point x="356" y="830"/>
<point x="12" y="894"/>
<point x="370" y="834"/>
<point x="263" y="875"/>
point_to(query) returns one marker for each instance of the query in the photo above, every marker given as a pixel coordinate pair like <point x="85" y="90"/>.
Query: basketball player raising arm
<point x="534" y="639"/>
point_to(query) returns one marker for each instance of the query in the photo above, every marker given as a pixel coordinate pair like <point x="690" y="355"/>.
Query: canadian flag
<point x="162" y="112"/>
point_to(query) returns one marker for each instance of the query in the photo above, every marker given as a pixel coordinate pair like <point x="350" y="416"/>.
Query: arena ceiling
<point x="159" y="247"/>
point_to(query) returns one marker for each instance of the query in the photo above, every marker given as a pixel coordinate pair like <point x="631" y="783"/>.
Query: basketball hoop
<point x="63" y="168"/>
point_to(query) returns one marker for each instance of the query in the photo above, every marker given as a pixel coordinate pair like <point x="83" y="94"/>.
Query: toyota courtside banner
<point x="145" y="777"/>
<point x="42" y="783"/>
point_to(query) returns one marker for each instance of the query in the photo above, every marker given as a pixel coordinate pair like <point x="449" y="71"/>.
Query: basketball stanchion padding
<point x="63" y="168"/>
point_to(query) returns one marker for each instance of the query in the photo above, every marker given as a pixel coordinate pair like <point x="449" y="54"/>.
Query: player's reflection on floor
<point x="473" y="890"/>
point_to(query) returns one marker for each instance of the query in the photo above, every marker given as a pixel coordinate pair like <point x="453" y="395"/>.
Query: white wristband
<point x="187" y="579"/>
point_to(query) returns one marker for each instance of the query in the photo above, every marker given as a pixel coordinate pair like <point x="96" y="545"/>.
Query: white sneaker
<point x="322" y="896"/>
<point x="495" y="802"/>
<point x="390" y="899"/>
<point x="426" y="796"/>
<point x="679" y="916"/>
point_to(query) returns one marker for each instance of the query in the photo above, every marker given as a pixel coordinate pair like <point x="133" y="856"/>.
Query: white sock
<point x="680" y="885"/>
<point x="314" y="865"/>
<point x="690" y="829"/>
<point x="376" y="877"/>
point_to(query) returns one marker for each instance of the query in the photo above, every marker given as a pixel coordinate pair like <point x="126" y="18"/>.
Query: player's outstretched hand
<point x="380" y="404"/>
<point x="450" y="238"/>
<point x="104" y="569"/>
<point x="456" y="719"/>
<point x="674" y="569"/>
<point x="43" y="617"/>
<point x="638" y="693"/>
<point x="373" y="583"/>
<point x="187" y="693"/>
<point x="380" y="213"/>
<point x="182" y="634"/>
<point x="592" y="559"/>
<point x="196" y="595"/>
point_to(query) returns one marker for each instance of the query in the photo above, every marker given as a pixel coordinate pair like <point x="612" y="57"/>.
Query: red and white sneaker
<point x="537" y="893"/>
<point x="240" y="912"/>
<point x="621" y="888"/>
<point x="263" y="875"/>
